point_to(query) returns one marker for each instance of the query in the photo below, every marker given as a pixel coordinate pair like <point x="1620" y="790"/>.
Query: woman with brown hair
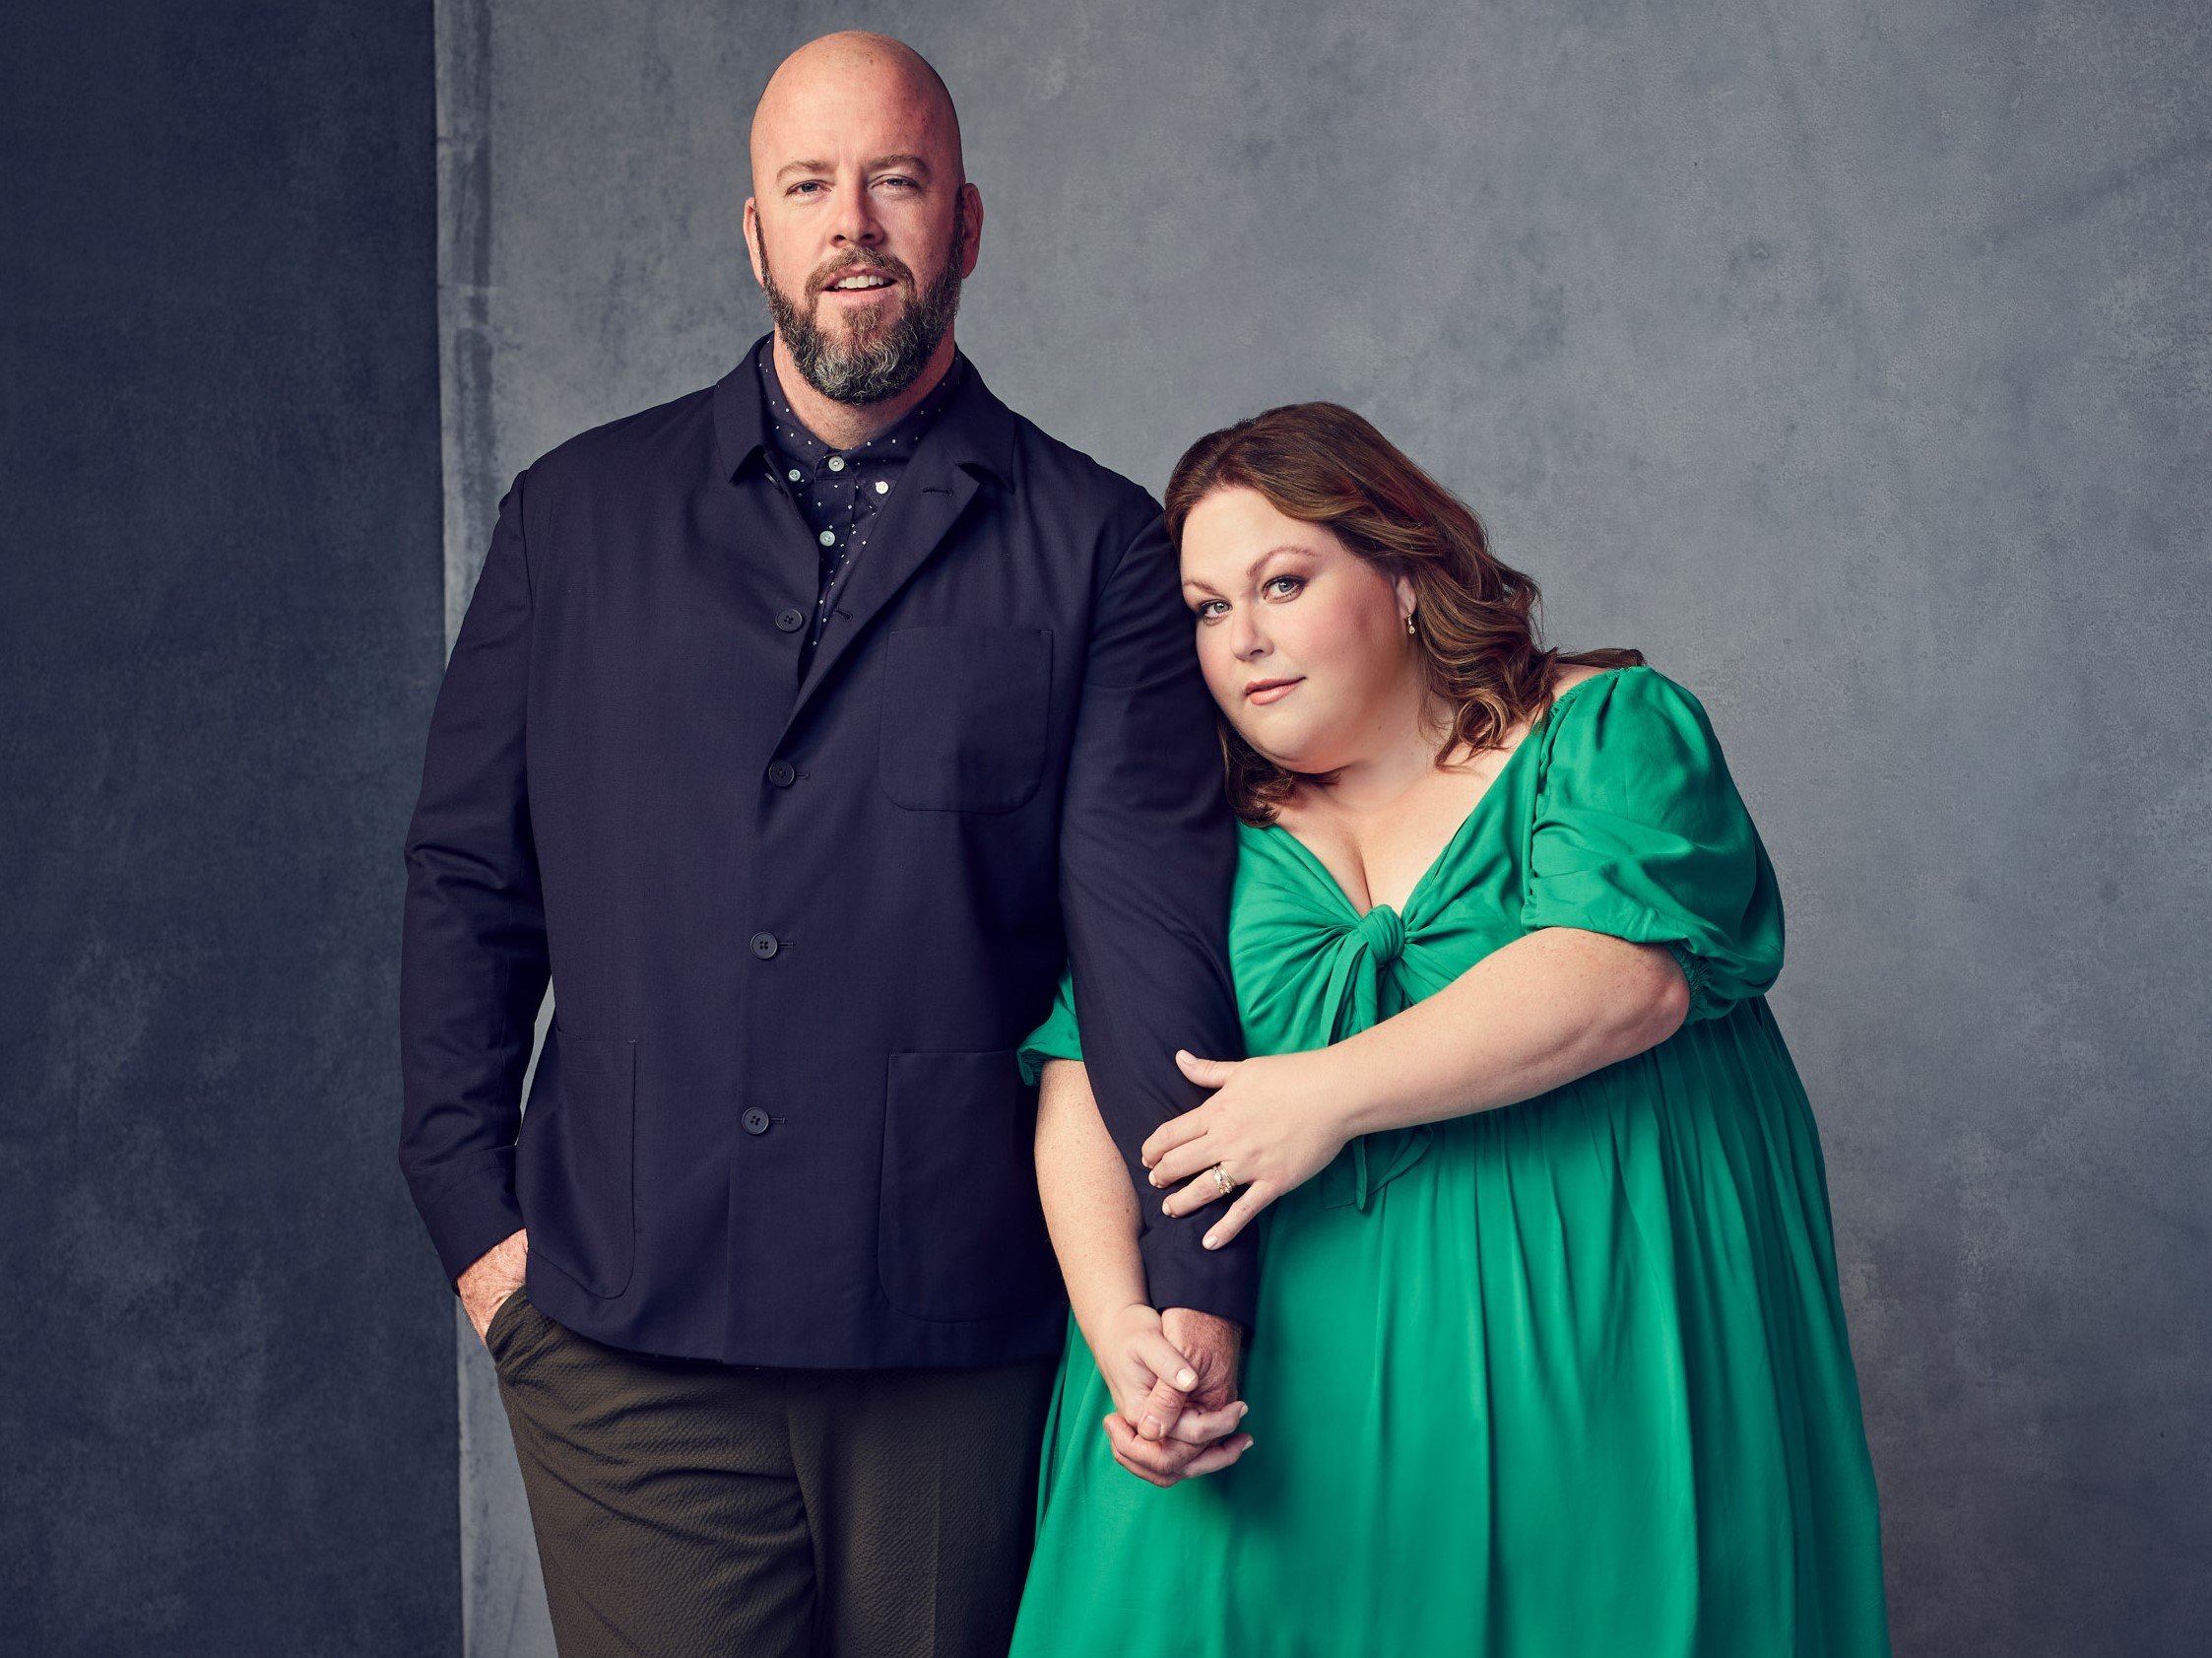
<point x="1549" y="1355"/>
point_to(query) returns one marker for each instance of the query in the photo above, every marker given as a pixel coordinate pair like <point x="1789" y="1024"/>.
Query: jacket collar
<point x="974" y="431"/>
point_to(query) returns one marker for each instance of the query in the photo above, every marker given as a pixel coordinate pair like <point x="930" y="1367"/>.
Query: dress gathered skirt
<point x="1564" y="1379"/>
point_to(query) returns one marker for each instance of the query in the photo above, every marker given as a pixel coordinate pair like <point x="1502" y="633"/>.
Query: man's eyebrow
<point x="909" y="162"/>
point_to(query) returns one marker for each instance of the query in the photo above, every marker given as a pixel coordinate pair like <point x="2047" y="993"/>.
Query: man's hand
<point x="495" y="1275"/>
<point x="1144" y="1439"/>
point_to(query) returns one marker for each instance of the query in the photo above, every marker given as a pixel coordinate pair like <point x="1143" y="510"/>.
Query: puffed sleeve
<point x="1058" y="1037"/>
<point x="1639" y="832"/>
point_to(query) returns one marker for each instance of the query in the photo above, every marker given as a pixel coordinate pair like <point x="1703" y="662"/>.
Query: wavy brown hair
<point x="1476" y="619"/>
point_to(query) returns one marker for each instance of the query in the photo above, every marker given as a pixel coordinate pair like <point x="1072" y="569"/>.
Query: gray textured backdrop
<point x="1851" y="360"/>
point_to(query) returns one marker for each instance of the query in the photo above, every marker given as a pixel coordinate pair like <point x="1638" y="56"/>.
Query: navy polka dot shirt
<point x="841" y="493"/>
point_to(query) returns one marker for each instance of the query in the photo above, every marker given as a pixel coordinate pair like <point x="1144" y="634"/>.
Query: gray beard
<point x="885" y="364"/>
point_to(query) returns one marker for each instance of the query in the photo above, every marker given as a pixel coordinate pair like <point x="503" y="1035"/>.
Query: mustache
<point x="831" y="270"/>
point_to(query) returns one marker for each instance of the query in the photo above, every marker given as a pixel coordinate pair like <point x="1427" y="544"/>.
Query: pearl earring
<point x="1409" y="629"/>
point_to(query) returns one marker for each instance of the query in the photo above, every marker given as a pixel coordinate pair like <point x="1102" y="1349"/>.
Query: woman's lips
<point x="1272" y="690"/>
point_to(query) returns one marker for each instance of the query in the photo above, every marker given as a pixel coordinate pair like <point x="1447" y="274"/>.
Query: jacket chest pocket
<point x="966" y="712"/>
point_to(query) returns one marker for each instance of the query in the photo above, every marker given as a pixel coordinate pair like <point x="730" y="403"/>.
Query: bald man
<point x="799" y="730"/>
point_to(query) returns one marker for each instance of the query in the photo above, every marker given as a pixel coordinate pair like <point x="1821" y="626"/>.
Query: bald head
<point x="848" y="78"/>
<point x="862" y="223"/>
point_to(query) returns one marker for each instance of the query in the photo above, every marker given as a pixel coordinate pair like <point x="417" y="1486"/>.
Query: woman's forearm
<point x="1091" y="1208"/>
<point x="1549" y="1007"/>
<point x="1552" y="1006"/>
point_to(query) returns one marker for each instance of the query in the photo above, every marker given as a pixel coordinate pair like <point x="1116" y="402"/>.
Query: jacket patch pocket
<point x="962" y="1233"/>
<point x="574" y="1160"/>
<point x="965" y="716"/>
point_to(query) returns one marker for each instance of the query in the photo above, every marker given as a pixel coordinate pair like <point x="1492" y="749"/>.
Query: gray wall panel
<point x="1851" y="360"/>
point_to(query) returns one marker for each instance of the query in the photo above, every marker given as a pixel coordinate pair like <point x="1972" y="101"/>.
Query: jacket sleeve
<point x="473" y="957"/>
<point x="1147" y="856"/>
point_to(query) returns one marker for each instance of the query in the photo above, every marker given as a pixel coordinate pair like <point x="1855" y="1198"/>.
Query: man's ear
<point x="972" y="208"/>
<point x="752" y="244"/>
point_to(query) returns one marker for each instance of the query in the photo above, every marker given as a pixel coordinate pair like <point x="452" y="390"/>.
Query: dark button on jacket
<point x="1010" y="761"/>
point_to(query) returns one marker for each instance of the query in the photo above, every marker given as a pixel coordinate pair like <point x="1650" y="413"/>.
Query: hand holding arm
<point x="1547" y="1008"/>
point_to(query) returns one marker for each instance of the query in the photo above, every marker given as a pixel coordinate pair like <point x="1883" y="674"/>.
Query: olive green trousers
<point x="685" y="1507"/>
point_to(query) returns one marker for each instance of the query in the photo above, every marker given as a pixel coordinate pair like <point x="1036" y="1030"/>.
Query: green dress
<point x="1565" y="1378"/>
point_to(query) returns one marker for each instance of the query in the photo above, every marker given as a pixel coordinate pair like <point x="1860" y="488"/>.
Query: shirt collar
<point x="897" y="442"/>
<point x="971" y="426"/>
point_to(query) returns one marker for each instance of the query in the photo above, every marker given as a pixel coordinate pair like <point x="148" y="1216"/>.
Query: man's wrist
<point x="1238" y="1331"/>
<point x="471" y="1214"/>
<point x="1181" y="1272"/>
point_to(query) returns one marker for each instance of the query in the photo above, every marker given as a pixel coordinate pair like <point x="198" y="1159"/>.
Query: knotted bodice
<point x="1311" y="970"/>
<point x="1383" y="931"/>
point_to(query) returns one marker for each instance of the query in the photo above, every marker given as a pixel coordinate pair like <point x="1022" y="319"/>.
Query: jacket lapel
<point x="915" y="523"/>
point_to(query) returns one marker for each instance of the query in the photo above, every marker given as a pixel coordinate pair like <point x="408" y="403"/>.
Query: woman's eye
<point x="1209" y="611"/>
<point x="1289" y="584"/>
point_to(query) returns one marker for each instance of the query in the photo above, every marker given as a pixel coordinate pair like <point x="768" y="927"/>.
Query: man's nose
<point x="854" y="221"/>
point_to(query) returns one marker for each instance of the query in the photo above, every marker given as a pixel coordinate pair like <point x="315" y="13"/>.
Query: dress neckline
<point x="1452" y="842"/>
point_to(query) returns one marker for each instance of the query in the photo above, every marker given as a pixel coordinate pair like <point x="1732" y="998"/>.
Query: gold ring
<point x="1221" y="1179"/>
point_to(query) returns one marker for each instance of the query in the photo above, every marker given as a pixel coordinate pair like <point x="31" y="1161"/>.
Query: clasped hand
<point x="1172" y="1376"/>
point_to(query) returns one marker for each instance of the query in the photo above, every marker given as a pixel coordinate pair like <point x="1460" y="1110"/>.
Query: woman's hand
<point x="1272" y="1124"/>
<point x="1148" y="1374"/>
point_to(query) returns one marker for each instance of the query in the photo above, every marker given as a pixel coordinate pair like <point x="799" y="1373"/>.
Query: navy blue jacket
<point x="796" y="929"/>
